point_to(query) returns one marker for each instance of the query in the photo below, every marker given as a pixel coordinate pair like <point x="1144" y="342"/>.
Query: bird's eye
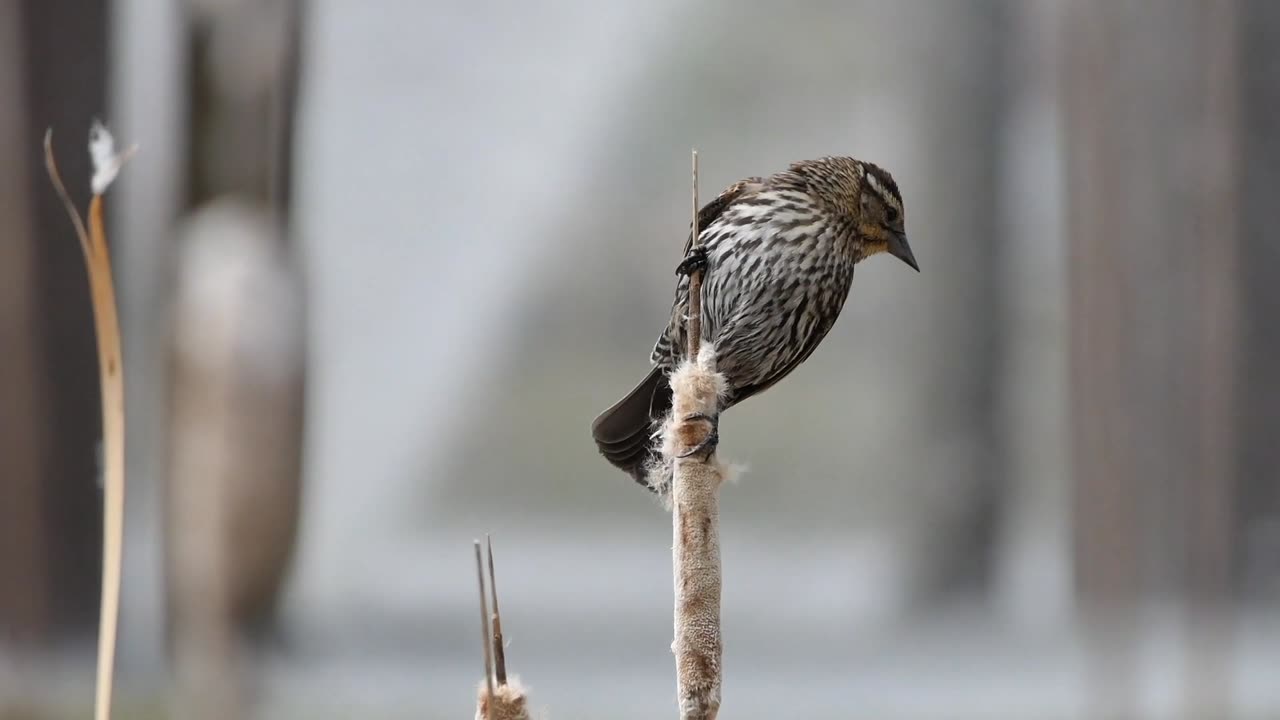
<point x="891" y="214"/>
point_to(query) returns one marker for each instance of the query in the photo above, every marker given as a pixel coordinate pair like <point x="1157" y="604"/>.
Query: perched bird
<point x="777" y="256"/>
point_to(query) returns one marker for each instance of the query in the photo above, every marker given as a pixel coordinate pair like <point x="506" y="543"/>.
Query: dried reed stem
<point x="484" y="635"/>
<point x="499" y="652"/>
<point x="695" y="511"/>
<point x="93" y="244"/>
<point x="695" y="279"/>
<point x="508" y="700"/>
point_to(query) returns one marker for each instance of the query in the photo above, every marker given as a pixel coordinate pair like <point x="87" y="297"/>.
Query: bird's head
<point x="880" y="224"/>
<point x="864" y="193"/>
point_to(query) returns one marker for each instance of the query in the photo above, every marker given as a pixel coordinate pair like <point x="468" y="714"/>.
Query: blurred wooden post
<point x="1153" y="245"/>
<point x="51" y="398"/>
<point x="1102" y="361"/>
<point x="237" y="350"/>
<point x="1210" y="501"/>
<point x="23" y="428"/>
<point x="1257" y="525"/>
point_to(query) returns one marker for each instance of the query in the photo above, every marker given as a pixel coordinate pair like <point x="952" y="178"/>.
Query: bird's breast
<point x="775" y="284"/>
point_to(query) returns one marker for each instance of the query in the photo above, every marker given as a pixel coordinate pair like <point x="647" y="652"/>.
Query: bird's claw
<point x="695" y="261"/>
<point x="709" y="444"/>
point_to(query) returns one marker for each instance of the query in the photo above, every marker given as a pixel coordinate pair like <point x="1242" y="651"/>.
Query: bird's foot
<point x="708" y="444"/>
<point x="695" y="261"/>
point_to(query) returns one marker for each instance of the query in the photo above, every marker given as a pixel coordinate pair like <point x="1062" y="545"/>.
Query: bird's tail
<point x="623" y="433"/>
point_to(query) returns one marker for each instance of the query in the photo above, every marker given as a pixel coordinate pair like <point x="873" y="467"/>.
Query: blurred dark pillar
<point x="967" y="120"/>
<point x="64" y="68"/>
<point x="1258" y="528"/>
<point x="23" y="580"/>
<point x="1151" y="104"/>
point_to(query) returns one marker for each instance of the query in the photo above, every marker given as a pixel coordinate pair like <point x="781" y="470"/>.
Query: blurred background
<point x="381" y="263"/>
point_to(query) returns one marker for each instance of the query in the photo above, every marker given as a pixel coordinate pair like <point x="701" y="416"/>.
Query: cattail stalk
<point x="695" y="279"/>
<point x="97" y="256"/>
<point x="484" y="710"/>
<point x="508" y="700"/>
<point x="499" y="652"/>
<point x="505" y="702"/>
<point x="695" y="512"/>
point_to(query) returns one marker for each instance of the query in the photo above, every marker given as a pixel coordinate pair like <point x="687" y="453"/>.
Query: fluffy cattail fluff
<point x="106" y="162"/>
<point x="509" y="701"/>
<point x="779" y="254"/>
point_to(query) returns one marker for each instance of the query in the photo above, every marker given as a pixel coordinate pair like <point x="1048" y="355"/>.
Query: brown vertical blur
<point x="55" y="57"/>
<point x="1104" y="359"/>
<point x="1153" y="246"/>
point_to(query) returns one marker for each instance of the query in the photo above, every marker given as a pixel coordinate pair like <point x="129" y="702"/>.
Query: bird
<point x="777" y="255"/>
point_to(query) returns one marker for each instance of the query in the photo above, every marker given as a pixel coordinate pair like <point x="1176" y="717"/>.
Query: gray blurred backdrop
<point x="381" y="263"/>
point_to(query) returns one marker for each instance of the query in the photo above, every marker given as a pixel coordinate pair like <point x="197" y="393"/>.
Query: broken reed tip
<point x="499" y="652"/>
<point x="484" y="625"/>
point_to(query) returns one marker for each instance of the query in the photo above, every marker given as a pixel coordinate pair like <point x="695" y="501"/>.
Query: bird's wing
<point x="738" y="394"/>
<point x="714" y="209"/>
<point x="809" y="343"/>
<point x="673" y="340"/>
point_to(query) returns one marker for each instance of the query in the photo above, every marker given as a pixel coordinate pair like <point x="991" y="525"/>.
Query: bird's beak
<point x="899" y="248"/>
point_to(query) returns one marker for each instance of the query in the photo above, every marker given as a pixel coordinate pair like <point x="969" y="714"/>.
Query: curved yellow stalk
<point x="93" y="243"/>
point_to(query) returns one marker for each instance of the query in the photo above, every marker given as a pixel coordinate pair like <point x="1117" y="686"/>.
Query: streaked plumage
<point x="780" y="253"/>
